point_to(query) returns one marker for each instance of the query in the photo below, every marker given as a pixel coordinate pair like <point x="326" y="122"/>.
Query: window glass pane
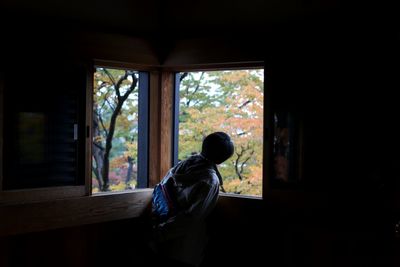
<point x="115" y="130"/>
<point x="285" y="150"/>
<point x="281" y="146"/>
<point x="232" y="102"/>
<point x="42" y="126"/>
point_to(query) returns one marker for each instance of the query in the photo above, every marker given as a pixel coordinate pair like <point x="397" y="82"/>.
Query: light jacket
<point x="196" y="187"/>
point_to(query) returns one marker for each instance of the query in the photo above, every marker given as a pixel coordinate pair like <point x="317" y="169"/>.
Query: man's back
<point x="195" y="188"/>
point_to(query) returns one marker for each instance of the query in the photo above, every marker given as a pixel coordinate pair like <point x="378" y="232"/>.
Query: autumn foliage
<point x="229" y="101"/>
<point x="115" y="129"/>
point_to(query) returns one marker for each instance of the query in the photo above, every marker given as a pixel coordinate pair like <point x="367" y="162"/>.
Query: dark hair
<point x="217" y="147"/>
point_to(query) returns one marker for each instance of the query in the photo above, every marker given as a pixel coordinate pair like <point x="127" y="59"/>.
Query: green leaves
<point x="115" y="96"/>
<point x="229" y="101"/>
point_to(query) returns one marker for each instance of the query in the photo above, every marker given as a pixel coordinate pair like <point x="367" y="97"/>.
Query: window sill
<point x="232" y="195"/>
<point x="30" y="195"/>
<point x="53" y="214"/>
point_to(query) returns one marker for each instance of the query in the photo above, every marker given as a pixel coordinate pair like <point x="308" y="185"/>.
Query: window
<point x="119" y="129"/>
<point x="43" y="126"/>
<point x="287" y="150"/>
<point x="231" y="101"/>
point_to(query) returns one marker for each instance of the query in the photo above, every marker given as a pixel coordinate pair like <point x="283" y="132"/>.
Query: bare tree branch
<point x="238" y="173"/>
<point x="106" y="101"/>
<point x="118" y="85"/>
<point x="103" y="84"/>
<point x="188" y="94"/>
<point x="109" y="76"/>
<point x="244" y="162"/>
<point x="245" y="104"/>
<point x="109" y="104"/>
<point x="100" y="119"/>
<point x="194" y="91"/>
<point x="198" y="83"/>
<point x="131" y="88"/>
<point x="98" y="145"/>
<point x="183" y="76"/>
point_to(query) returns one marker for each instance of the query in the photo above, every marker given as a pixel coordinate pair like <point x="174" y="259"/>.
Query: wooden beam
<point x="206" y="53"/>
<point x="32" y="217"/>
<point x="124" y="65"/>
<point x="166" y="129"/>
<point x="115" y="48"/>
<point x="215" y="66"/>
<point x="154" y="128"/>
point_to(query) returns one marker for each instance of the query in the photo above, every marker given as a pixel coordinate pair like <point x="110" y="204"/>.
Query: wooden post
<point x="154" y="128"/>
<point x="88" y="124"/>
<point x="166" y="129"/>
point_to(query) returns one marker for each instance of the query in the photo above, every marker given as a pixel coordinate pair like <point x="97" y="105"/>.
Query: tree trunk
<point x="104" y="166"/>
<point x="98" y="153"/>
<point x="129" y="173"/>
<point x="98" y="156"/>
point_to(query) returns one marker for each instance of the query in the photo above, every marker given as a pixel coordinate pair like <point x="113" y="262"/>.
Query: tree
<point x="114" y="92"/>
<point x="230" y="101"/>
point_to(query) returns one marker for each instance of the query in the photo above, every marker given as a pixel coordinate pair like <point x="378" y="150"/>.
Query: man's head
<point x="217" y="147"/>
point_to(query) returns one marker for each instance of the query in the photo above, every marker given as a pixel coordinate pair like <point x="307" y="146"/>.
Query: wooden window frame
<point x="56" y="207"/>
<point x="28" y="210"/>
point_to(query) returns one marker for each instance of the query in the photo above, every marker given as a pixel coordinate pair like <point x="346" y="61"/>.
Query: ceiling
<point x="176" y="17"/>
<point x="285" y="25"/>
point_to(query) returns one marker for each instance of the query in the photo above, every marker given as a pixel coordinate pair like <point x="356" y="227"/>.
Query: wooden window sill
<point x="19" y="218"/>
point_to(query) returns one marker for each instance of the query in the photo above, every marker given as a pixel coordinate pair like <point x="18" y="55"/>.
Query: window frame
<point x="38" y="209"/>
<point x="267" y="120"/>
<point x="27" y="210"/>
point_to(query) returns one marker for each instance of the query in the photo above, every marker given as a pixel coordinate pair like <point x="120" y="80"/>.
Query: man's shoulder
<point x="210" y="177"/>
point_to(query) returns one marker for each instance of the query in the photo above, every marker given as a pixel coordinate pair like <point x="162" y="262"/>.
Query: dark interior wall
<point x="338" y="73"/>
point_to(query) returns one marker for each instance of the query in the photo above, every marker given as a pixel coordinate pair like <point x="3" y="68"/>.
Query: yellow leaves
<point x="132" y="150"/>
<point x="236" y="107"/>
<point x="255" y="174"/>
<point x="122" y="186"/>
<point x="246" y="187"/>
<point x="232" y="186"/>
<point x="98" y="139"/>
<point x="235" y="76"/>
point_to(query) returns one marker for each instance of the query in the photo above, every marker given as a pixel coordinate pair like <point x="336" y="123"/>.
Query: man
<point x="193" y="187"/>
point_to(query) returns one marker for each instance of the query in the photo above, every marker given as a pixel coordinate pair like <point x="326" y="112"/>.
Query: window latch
<point x="75" y="132"/>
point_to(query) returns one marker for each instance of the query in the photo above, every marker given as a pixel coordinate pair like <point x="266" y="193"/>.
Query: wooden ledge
<point x="39" y="216"/>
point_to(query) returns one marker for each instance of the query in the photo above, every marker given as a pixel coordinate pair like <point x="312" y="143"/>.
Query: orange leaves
<point x="235" y="106"/>
<point x="118" y="162"/>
